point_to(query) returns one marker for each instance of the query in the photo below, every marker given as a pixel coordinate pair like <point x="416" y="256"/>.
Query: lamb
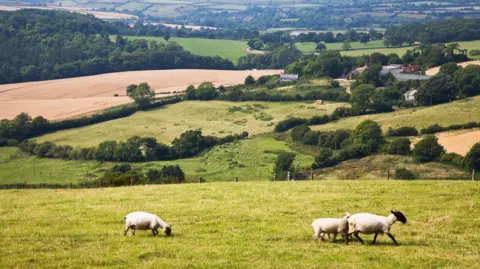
<point x="367" y="223"/>
<point x="146" y="221"/>
<point x="327" y="226"/>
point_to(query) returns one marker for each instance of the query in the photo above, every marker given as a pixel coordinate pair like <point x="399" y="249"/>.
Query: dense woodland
<point x="433" y="32"/>
<point x="40" y="45"/>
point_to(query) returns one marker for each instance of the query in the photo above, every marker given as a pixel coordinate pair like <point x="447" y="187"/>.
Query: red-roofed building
<point x="410" y="68"/>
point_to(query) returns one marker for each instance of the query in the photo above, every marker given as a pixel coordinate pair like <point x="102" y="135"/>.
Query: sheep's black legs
<point x="154" y="232"/>
<point x="126" y="231"/>
<point x="346" y="238"/>
<point x="391" y="236"/>
<point x="358" y="237"/>
<point x="133" y="231"/>
<point x="374" y="239"/>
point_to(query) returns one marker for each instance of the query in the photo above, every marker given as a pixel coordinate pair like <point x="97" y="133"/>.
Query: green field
<point x="240" y="225"/>
<point x="228" y="49"/>
<point x="246" y="159"/>
<point x="213" y="118"/>
<point x="359" y="49"/>
<point x="457" y="112"/>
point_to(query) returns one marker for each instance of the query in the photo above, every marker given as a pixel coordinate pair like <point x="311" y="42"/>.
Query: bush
<point x="404" y="173"/>
<point x="321" y="160"/>
<point x="12" y="142"/>
<point x="432" y="129"/>
<point x="452" y="158"/>
<point x="318" y="120"/>
<point x="399" y="146"/>
<point x="289" y="123"/>
<point x="298" y="132"/>
<point x="249" y="80"/>
<point x="283" y="164"/>
<point x="472" y="159"/>
<point x="402" y="131"/>
<point x="311" y="138"/>
<point x="428" y="149"/>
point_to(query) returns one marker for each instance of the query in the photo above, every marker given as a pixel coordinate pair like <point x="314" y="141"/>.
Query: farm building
<point x="393" y="68"/>
<point x="410" y="68"/>
<point x="288" y="77"/>
<point x="410" y="95"/>
<point x="403" y="77"/>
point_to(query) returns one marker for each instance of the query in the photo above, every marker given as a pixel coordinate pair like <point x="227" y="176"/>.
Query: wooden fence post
<point x="388" y="174"/>
<point x="473" y="174"/>
<point x="236" y="179"/>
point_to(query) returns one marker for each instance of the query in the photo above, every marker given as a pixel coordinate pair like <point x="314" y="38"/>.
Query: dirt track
<point x="63" y="98"/>
<point x="435" y="70"/>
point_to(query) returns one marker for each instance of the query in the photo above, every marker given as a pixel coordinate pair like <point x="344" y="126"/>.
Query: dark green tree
<point x="427" y="149"/>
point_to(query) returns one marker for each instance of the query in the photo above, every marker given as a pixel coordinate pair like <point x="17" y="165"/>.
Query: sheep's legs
<point x="334" y="237"/>
<point x="154" y="232"/>
<point x="393" y="238"/>
<point x="126" y="231"/>
<point x="374" y="239"/>
<point x="133" y="231"/>
<point x="358" y="237"/>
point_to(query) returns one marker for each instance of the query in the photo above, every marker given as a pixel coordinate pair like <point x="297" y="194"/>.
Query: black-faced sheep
<point x="146" y="221"/>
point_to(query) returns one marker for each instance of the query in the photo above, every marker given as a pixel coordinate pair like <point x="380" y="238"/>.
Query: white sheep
<point x="367" y="223"/>
<point x="327" y="226"/>
<point x="146" y="221"/>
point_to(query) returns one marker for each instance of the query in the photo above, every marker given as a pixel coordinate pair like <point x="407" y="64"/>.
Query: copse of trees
<point x="327" y="64"/>
<point x="41" y="44"/>
<point x="134" y="149"/>
<point x="142" y="94"/>
<point x="428" y="149"/>
<point x="279" y="57"/>
<point x="125" y="175"/>
<point x="283" y="164"/>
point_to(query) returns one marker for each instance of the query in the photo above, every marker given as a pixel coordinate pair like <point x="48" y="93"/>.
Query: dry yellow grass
<point x="433" y="71"/>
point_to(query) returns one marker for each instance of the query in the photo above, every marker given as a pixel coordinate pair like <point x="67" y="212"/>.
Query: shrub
<point x="298" y="132"/>
<point x="369" y="133"/>
<point x="311" y="138"/>
<point x="283" y="164"/>
<point x="404" y="173"/>
<point x="399" y="146"/>
<point x="321" y="160"/>
<point x="402" y="131"/>
<point x="427" y="149"/>
<point x="318" y="120"/>
<point x="289" y="123"/>
<point x="12" y="142"/>
<point x="249" y="80"/>
<point x="472" y="159"/>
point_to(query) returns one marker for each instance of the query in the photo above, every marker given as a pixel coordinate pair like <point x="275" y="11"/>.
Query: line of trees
<point x="125" y="175"/>
<point x="135" y="149"/>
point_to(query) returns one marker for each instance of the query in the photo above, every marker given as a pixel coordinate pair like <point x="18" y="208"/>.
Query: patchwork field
<point x="218" y="118"/>
<point x="240" y="225"/>
<point x="62" y="98"/>
<point x="99" y="14"/>
<point x="228" y="49"/>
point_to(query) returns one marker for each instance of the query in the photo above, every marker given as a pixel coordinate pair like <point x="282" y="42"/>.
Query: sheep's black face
<point x="168" y="231"/>
<point x="400" y="217"/>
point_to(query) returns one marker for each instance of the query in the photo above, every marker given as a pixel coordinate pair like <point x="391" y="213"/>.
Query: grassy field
<point x="457" y="112"/>
<point x="213" y="118"/>
<point x="244" y="159"/>
<point x="228" y="49"/>
<point x="359" y="49"/>
<point x="240" y="225"/>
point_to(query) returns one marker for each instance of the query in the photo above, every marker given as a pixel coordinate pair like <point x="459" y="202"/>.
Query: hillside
<point x="456" y="112"/>
<point x="218" y="118"/>
<point x="240" y="225"/>
<point x="65" y="98"/>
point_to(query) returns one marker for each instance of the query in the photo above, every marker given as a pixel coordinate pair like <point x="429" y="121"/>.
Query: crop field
<point x="249" y="160"/>
<point x="219" y="118"/>
<point x="240" y="225"/>
<point x="64" y="98"/>
<point x="457" y="112"/>
<point x="228" y="49"/>
<point x="433" y="71"/>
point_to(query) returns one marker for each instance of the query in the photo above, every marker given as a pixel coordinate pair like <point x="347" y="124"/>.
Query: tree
<point x="472" y="159"/>
<point x="298" y="132"/>
<point x="283" y="164"/>
<point x="371" y="75"/>
<point x="468" y="80"/>
<point x="346" y="46"/>
<point x="364" y="39"/>
<point x="436" y="90"/>
<point x="206" y="91"/>
<point x="399" y="146"/>
<point x="449" y="68"/>
<point x="368" y="133"/>
<point x="320" y="47"/>
<point x="142" y="94"/>
<point x="321" y="160"/>
<point x="190" y="93"/>
<point x="427" y="149"/>
<point x="249" y="80"/>
<point x="361" y="97"/>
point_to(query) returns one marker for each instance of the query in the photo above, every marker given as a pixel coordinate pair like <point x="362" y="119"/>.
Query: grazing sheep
<point x="146" y="221"/>
<point x="327" y="226"/>
<point x="374" y="224"/>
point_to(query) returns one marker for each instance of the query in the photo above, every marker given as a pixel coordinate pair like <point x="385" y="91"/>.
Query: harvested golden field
<point x="63" y="98"/>
<point x="459" y="143"/>
<point x="433" y="71"/>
